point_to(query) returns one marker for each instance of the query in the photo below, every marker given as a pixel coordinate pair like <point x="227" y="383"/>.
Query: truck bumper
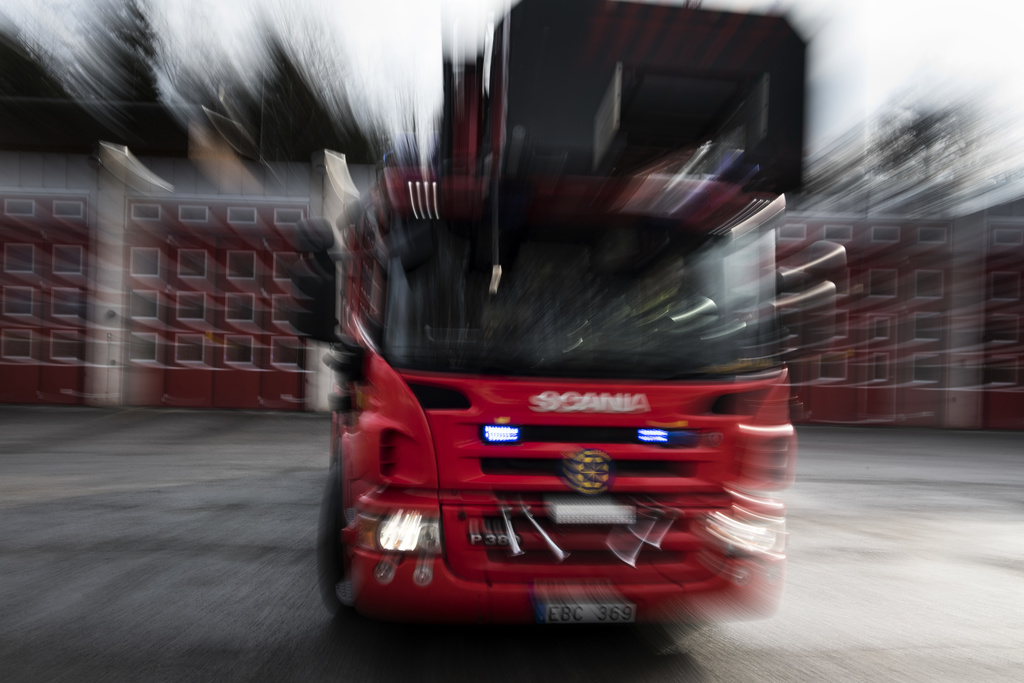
<point x="738" y="588"/>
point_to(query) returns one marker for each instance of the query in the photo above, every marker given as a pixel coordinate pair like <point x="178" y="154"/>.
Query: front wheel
<point x="330" y="553"/>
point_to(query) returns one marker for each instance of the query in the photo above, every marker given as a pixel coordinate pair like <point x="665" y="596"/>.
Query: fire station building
<point x="928" y="333"/>
<point x="160" y="280"/>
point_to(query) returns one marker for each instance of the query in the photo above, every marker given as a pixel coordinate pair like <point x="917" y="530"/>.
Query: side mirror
<point x="411" y="242"/>
<point x="346" y="358"/>
<point x="809" y="284"/>
<point x="820" y="261"/>
<point x="314" y="282"/>
<point x="810" y="316"/>
<point x="313" y="235"/>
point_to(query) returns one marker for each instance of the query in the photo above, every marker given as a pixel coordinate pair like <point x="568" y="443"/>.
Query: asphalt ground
<point x="178" y="545"/>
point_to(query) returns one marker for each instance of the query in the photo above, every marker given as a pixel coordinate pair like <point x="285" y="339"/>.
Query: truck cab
<point x="561" y="393"/>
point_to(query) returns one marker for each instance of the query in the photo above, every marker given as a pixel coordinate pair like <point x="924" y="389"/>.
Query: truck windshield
<point x="598" y="302"/>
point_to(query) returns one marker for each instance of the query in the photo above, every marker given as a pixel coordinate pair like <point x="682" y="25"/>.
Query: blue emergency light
<point x="501" y="434"/>
<point x="673" y="438"/>
<point x="652" y="435"/>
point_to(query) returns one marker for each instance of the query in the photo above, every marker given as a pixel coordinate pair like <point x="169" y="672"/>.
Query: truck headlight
<point x="403" y="531"/>
<point x="747" y="532"/>
<point x="400" y="531"/>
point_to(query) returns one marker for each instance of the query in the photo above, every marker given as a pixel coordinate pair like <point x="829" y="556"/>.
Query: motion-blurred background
<point x="151" y="270"/>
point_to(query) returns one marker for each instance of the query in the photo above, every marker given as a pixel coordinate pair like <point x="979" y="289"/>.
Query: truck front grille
<point x="551" y="467"/>
<point x="477" y="546"/>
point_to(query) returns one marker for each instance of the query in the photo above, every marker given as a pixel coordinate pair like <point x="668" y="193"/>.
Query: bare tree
<point x="924" y="140"/>
<point x="919" y="156"/>
<point x="24" y="70"/>
<point x="119" y="62"/>
<point x="283" y="111"/>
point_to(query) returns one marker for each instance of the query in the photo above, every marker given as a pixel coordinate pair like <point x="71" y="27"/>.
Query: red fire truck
<point x="561" y="394"/>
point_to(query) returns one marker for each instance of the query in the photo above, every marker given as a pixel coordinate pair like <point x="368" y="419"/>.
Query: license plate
<point x="569" y="612"/>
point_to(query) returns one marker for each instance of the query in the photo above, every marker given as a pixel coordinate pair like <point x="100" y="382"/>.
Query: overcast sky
<point x="862" y="52"/>
<point x="865" y="53"/>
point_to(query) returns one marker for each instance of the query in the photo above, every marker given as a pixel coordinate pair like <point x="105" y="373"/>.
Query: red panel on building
<point x="44" y="275"/>
<point x="208" y="320"/>
<point x="1002" y="386"/>
<point x="888" y="362"/>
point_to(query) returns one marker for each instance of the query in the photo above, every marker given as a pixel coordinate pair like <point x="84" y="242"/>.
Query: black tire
<point x="330" y="553"/>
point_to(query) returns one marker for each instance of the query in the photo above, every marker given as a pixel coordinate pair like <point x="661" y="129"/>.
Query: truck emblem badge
<point x="589" y="402"/>
<point x="588" y="471"/>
